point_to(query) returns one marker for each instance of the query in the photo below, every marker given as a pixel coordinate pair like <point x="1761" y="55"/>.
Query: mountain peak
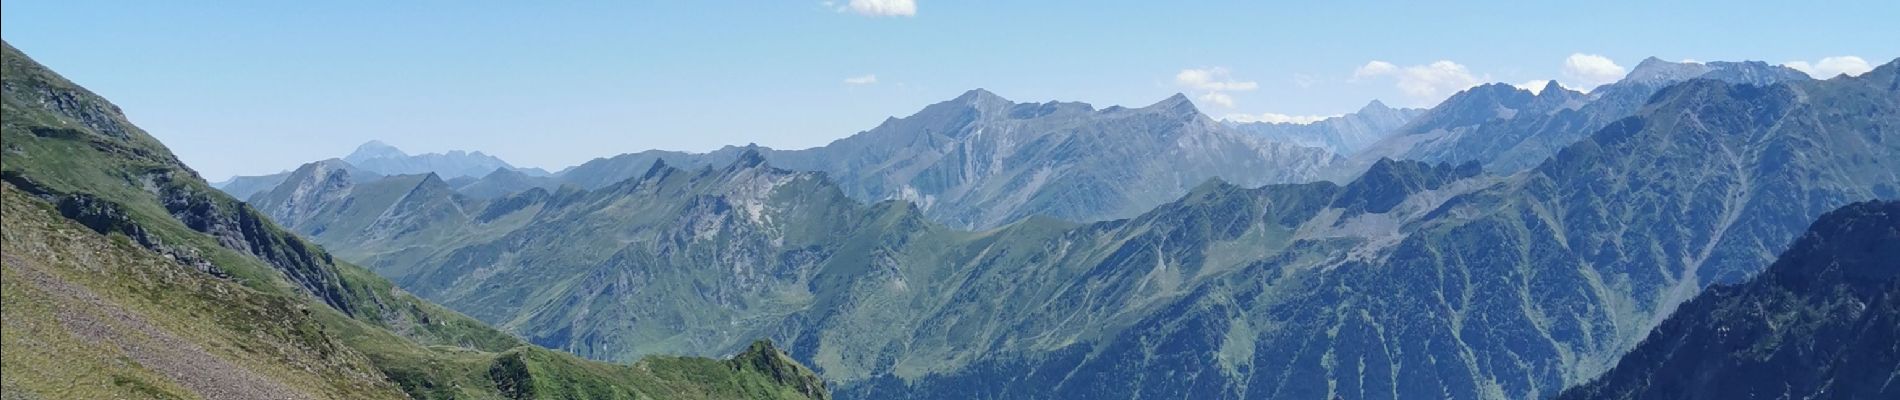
<point x="1889" y="73"/>
<point x="375" y="146"/>
<point x="374" y="149"/>
<point x="432" y="179"/>
<point x="1654" y="71"/>
<point x="1652" y="62"/>
<point x="979" y="96"/>
<point x="750" y="158"/>
<point x="501" y="172"/>
<point x="763" y="358"/>
<point x="1497" y="88"/>
<point x="1178" y="104"/>
<point x="1388" y="182"/>
<point x="658" y="168"/>
<point x="1473" y="106"/>
<point x="1176" y="99"/>
<point x="1373" y="106"/>
<point x="1552" y="87"/>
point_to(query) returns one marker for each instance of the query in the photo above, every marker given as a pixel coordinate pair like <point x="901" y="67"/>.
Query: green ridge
<point x="126" y="272"/>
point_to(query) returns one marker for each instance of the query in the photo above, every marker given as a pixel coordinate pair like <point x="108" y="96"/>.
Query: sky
<point x="247" y="88"/>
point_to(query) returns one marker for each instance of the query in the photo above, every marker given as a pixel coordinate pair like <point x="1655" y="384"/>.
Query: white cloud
<point x="1374" y="68"/>
<point x="1276" y="118"/>
<point x="1213" y="84"/>
<point x="877" y="8"/>
<point x="1304" y="80"/>
<point x="1590" y="70"/>
<point x="1428" y="82"/>
<point x="1223" y="99"/>
<point x="861" y="80"/>
<point x="1533" y="86"/>
<point x="1212" y="79"/>
<point x="1537" y="86"/>
<point x="1832" y="66"/>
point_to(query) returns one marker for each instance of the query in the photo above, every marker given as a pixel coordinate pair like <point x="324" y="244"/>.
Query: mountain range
<point x="127" y="276"/>
<point x="1342" y="135"/>
<point x="1069" y="161"/>
<point x="1412" y="279"/>
<point x="375" y="159"/>
<point x="981" y="161"/>
<point x="1641" y="240"/>
<point x="1510" y="129"/>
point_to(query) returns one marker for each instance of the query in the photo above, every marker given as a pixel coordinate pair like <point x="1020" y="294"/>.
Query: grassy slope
<point x="79" y="304"/>
<point x="250" y="294"/>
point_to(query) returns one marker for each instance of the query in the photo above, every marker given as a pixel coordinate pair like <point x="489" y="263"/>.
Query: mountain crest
<point x="979" y="96"/>
<point x="1858" y="240"/>
<point x="1654" y="71"/>
<point x="1375" y="106"/>
<point x="1388" y="182"/>
<point x="1177" y="105"/>
<point x="1552" y="87"/>
<point x="374" y="149"/>
<point x="503" y="172"/>
<point x="750" y="158"/>
<point x="764" y="358"/>
<point x="659" y="168"/>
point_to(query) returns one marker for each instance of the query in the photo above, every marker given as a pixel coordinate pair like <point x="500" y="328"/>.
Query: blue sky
<point x="258" y="87"/>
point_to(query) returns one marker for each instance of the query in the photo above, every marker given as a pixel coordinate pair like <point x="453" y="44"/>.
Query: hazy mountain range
<point x="1069" y="161"/>
<point x="375" y="159"/>
<point x="1342" y="135"/>
<point x="980" y="161"/>
<point x="1411" y="279"/>
<point x="1511" y="129"/>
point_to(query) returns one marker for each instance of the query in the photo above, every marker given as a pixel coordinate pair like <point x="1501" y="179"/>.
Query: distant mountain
<point x="981" y="161"/>
<point x="380" y="158"/>
<point x="503" y="182"/>
<point x="243" y="187"/>
<point x="1342" y="135"/>
<point x="1510" y="129"/>
<point x="1411" y="280"/>
<point x="1822" y="322"/>
<point x="603" y="172"/>
<point x="127" y="276"/>
<point x="374" y="159"/>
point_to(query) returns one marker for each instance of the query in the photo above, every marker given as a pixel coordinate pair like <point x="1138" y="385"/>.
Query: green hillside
<point x="127" y="276"/>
